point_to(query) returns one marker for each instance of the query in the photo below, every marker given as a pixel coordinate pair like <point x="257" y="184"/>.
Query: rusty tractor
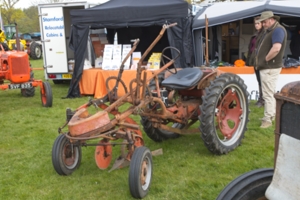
<point x="169" y="102"/>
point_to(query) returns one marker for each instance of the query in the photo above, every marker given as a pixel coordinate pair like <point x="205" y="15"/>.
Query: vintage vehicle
<point x="33" y="46"/>
<point x="15" y="68"/>
<point x="9" y="36"/>
<point x="57" y="64"/>
<point x="169" y="102"/>
<point x="282" y="182"/>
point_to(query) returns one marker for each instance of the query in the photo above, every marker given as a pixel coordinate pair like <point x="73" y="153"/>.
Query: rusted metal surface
<point x="82" y="122"/>
<point x="182" y="107"/>
<point x="208" y="76"/>
<point x="103" y="154"/>
<point x="227" y="113"/>
<point x="288" y="93"/>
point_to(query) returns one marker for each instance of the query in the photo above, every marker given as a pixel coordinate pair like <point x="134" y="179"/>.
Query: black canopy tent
<point x="126" y="14"/>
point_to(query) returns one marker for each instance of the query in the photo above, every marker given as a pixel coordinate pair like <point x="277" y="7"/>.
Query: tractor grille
<point x="289" y="119"/>
<point x="19" y="65"/>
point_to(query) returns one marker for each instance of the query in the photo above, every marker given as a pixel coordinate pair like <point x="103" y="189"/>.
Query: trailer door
<point x="53" y="34"/>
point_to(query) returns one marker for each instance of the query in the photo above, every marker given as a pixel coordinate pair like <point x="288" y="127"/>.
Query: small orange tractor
<point x="15" y="68"/>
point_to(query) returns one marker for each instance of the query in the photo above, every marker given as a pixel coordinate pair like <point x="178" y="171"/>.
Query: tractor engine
<point x="14" y="66"/>
<point x="163" y="95"/>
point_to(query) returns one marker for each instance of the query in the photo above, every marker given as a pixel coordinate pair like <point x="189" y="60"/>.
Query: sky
<point x="23" y="4"/>
<point x="26" y="3"/>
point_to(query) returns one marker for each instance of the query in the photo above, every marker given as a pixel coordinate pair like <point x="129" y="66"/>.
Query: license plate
<point x="67" y="76"/>
<point x="20" y="86"/>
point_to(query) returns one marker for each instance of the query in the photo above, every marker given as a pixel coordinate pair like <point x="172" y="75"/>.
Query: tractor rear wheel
<point x="5" y="46"/>
<point x="66" y="157"/>
<point x="224" y="113"/>
<point x="35" y="51"/>
<point x="29" y="92"/>
<point x="46" y="95"/>
<point x="248" y="186"/>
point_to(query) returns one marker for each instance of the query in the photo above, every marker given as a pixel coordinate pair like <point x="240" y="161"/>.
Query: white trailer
<point x="55" y="27"/>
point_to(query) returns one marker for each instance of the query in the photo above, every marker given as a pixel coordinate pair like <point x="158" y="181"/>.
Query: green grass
<point x="186" y="170"/>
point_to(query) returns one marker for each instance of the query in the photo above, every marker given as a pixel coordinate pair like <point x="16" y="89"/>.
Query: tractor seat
<point x="183" y="79"/>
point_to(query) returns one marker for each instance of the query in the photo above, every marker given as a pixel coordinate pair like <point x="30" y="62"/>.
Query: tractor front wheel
<point x="46" y="95"/>
<point x="157" y="134"/>
<point x="140" y="172"/>
<point x="224" y="113"/>
<point x="66" y="157"/>
<point x="29" y="92"/>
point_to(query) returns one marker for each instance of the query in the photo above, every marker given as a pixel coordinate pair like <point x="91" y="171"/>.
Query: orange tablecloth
<point x="237" y="70"/>
<point x="93" y="81"/>
<point x="250" y="70"/>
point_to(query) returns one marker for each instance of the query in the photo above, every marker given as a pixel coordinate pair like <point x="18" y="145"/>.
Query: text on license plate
<point x="67" y="76"/>
<point x="20" y="86"/>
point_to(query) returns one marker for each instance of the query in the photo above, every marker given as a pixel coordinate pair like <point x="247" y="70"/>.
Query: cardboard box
<point x="154" y="61"/>
<point x="106" y="65"/>
<point x="115" y="64"/>
<point x="107" y="55"/>
<point x="127" y="64"/>
<point x="136" y="56"/>
<point x="87" y="64"/>
<point x="127" y="46"/>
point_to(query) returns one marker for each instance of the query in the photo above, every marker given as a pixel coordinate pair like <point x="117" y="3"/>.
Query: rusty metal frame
<point x="121" y="126"/>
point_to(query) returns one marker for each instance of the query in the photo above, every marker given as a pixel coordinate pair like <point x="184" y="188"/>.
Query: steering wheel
<point x="166" y="58"/>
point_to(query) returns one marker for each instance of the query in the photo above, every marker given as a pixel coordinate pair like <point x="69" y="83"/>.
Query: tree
<point x="8" y="11"/>
<point x="30" y="23"/>
<point x="7" y="4"/>
<point x="27" y="20"/>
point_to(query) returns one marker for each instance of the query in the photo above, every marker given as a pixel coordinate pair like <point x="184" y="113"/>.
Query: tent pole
<point x="206" y="41"/>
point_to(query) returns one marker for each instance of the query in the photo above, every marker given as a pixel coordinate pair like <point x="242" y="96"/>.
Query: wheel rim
<point x="103" y="154"/>
<point x="70" y="156"/>
<point x="146" y="171"/>
<point x="38" y="52"/>
<point x="43" y="95"/>
<point x="44" y="98"/>
<point x="230" y="114"/>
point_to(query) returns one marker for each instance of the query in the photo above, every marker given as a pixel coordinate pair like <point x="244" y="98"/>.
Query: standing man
<point x="269" y="56"/>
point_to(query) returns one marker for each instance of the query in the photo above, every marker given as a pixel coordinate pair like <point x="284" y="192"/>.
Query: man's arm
<point x="273" y="51"/>
<point x="277" y="39"/>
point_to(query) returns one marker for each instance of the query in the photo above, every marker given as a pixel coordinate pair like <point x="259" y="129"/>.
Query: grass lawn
<point x="186" y="170"/>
